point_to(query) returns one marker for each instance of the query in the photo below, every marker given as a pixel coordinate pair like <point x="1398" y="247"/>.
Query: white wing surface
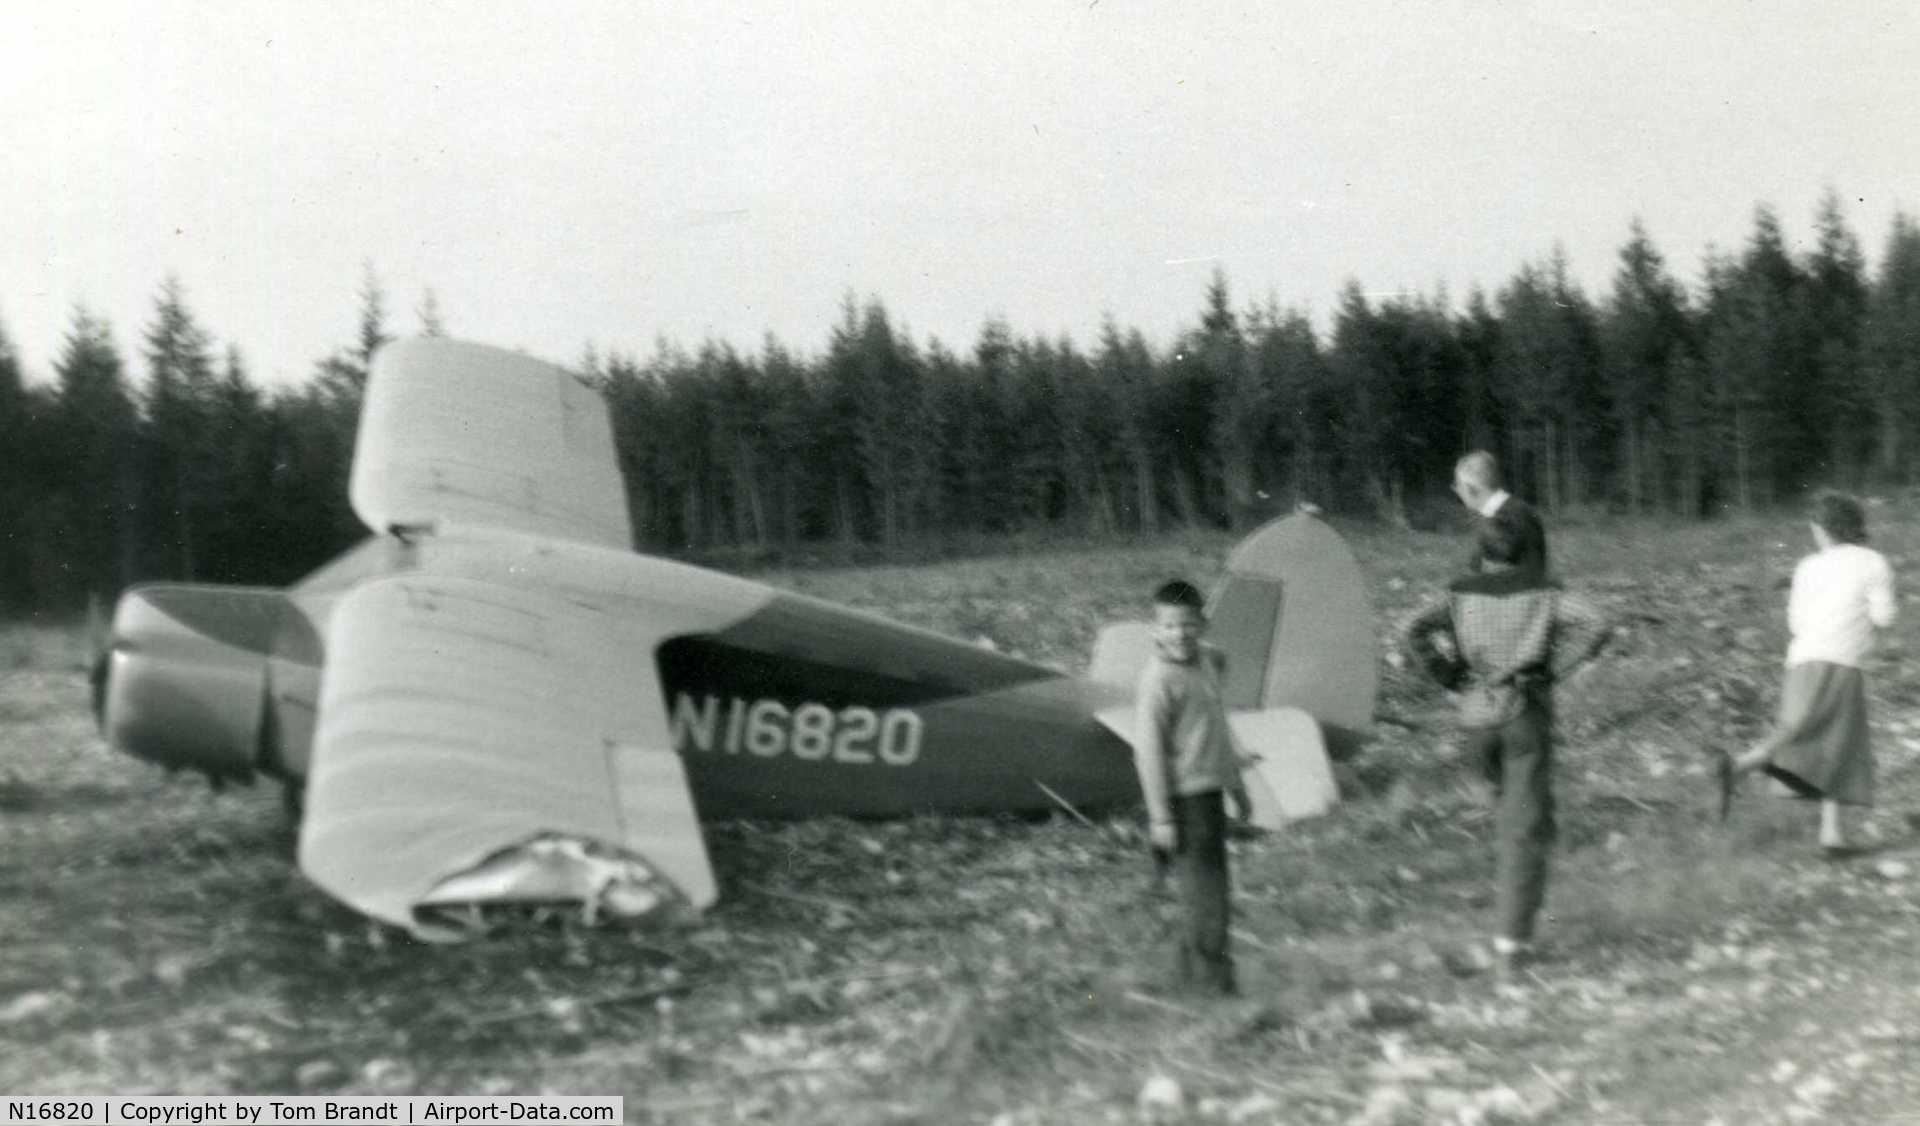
<point x="1286" y="771"/>
<point x="1288" y="777"/>
<point x="459" y="432"/>
<point x="480" y="745"/>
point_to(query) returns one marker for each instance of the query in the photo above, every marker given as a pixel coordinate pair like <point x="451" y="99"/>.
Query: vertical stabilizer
<point x="1293" y="617"/>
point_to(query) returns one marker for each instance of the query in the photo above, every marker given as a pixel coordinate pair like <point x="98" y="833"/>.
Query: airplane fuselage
<point x="493" y="702"/>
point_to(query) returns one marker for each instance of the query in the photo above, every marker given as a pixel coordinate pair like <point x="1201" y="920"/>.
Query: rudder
<point x="1293" y="617"/>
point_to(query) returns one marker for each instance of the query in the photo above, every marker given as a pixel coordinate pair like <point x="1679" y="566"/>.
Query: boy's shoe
<point x="1724" y="779"/>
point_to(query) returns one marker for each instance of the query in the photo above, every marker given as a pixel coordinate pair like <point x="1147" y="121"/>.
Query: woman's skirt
<point x="1824" y="750"/>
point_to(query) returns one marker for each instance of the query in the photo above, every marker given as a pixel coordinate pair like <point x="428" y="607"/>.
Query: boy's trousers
<point x="1200" y="872"/>
<point x="1517" y="758"/>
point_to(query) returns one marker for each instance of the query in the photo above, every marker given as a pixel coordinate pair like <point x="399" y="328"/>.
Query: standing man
<point x="1476" y="481"/>
<point x="1512" y="638"/>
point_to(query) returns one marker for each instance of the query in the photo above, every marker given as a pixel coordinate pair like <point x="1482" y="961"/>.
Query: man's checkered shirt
<point x="1523" y="634"/>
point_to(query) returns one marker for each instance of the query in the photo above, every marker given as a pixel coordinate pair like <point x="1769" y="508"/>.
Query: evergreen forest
<point x="1779" y="371"/>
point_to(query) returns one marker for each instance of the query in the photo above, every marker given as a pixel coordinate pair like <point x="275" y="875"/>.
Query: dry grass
<point x="943" y="970"/>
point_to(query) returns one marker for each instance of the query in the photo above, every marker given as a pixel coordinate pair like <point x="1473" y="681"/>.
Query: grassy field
<point x="154" y="936"/>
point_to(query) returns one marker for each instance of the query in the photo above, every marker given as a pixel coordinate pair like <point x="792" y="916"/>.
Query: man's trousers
<point x="1517" y="758"/>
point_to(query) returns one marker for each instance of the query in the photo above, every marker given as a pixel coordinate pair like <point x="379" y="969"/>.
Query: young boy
<point x="1515" y="633"/>
<point x="1184" y="752"/>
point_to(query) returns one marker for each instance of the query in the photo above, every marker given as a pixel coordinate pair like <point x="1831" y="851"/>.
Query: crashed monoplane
<point x="494" y="700"/>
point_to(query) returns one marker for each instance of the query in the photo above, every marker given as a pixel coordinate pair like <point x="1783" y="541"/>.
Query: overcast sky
<point x="566" y="173"/>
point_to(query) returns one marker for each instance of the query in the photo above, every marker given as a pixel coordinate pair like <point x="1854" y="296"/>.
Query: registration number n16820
<point x="814" y="732"/>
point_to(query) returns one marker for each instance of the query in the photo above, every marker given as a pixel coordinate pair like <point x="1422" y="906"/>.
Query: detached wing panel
<point x="1288" y="776"/>
<point x="462" y="432"/>
<point x="462" y="722"/>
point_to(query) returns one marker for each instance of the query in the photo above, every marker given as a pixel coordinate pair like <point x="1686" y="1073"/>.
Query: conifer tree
<point x="18" y="486"/>
<point x="990" y="435"/>
<point x="1291" y="364"/>
<point x="1756" y="356"/>
<point x="788" y="420"/>
<point x="1546" y="373"/>
<point x="182" y="451"/>
<point x="1361" y="368"/>
<point x="1031" y="444"/>
<point x="1125" y="367"/>
<point x="1241" y="402"/>
<point x="243" y="542"/>
<point x="1481" y="423"/>
<point x="1891" y="346"/>
<point x="1836" y="306"/>
<point x="1086" y="432"/>
<point x="1643" y="332"/>
<point x="90" y="545"/>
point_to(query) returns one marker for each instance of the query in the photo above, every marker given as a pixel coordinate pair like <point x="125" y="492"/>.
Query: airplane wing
<point x="481" y="744"/>
<point x="1287" y="776"/>
<point x="451" y="431"/>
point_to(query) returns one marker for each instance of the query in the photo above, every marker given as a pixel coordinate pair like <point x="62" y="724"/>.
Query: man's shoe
<point x="1466" y="961"/>
<point x="1510" y="957"/>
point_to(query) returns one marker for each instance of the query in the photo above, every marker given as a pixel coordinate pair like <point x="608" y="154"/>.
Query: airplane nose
<point x="179" y="695"/>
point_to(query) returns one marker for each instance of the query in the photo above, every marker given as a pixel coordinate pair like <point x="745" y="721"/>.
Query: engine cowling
<point x="186" y="674"/>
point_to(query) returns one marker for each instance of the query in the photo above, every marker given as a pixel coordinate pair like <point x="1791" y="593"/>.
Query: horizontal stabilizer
<point x="1288" y="777"/>
<point x="1118" y="719"/>
<point x="1287" y="774"/>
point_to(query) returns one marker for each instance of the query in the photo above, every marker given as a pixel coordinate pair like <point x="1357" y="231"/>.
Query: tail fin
<point x="1292" y="616"/>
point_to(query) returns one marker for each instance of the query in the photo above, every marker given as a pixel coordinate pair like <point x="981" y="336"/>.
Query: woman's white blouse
<point x="1839" y="595"/>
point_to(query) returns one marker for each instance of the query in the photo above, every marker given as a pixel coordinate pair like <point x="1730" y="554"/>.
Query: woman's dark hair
<point x="1840" y="515"/>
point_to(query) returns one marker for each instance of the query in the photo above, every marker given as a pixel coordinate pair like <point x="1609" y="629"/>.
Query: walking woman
<point x="1819" y="747"/>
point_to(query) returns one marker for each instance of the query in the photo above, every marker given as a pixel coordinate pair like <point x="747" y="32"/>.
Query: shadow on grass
<point x="19" y="796"/>
<point x="1671" y="879"/>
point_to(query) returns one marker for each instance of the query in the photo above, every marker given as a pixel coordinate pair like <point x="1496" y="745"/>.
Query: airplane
<point x="495" y="701"/>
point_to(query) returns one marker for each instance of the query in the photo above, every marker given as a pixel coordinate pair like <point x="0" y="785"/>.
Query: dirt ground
<point x="155" y="937"/>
